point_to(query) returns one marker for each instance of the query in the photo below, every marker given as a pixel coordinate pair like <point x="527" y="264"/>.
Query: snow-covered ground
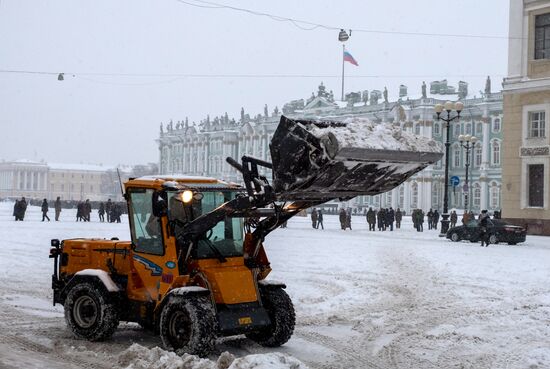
<point x="363" y="299"/>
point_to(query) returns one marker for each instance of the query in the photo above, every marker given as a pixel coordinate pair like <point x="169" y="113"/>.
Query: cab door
<point x="152" y="260"/>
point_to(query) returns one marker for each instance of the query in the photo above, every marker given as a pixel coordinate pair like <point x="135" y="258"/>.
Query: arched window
<point x="468" y="128"/>
<point x="437" y="129"/>
<point x="478" y="154"/>
<point x="476" y="193"/>
<point x="494" y="196"/>
<point x="479" y="128"/>
<point x="414" y="195"/>
<point x="457" y="130"/>
<point x="456" y="156"/>
<point x="496" y="125"/>
<point x="495" y="157"/>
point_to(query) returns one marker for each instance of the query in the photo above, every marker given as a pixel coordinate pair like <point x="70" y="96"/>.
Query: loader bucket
<point x="324" y="160"/>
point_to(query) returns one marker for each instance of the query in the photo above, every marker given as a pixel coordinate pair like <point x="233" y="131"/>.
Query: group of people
<point x="384" y="218"/>
<point x="345" y="218"/>
<point x="83" y="210"/>
<point x="316" y="219"/>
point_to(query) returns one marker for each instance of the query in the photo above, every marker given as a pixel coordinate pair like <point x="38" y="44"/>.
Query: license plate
<point x="245" y="321"/>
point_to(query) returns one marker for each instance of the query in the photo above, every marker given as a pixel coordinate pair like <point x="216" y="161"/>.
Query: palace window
<point x="401" y="197"/>
<point x="496" y="153"/>
<point x="537" y="124"/>
<point x="477" y="195"/>
<point x="437" y="129"/>
<point x="468" y="128"/>
<point x="542" y="36"/>
<point x="535" y="173"/>
<point x="478" y="155"/>
<point x="456" y="156"/>
<point x="414" y="195"/>
<point x="495" y="196"/>
<point x="479" y="128"/>
<point x="496" y="125"/>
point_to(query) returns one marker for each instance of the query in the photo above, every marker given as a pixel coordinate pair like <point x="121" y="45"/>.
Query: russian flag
<point x="349" y="58"/>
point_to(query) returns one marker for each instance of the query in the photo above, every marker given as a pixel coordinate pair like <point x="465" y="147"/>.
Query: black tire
<point x="188" y="325"/>
<point x="455" y="237"/>
<point x="493" y="239"/>
<point x="90" y="312"/>
<point x="281" y="313"/>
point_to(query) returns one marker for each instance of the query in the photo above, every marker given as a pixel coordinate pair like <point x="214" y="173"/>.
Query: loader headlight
<point x="187" y="196"/>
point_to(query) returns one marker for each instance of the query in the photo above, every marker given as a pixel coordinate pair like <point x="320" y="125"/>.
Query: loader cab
<point x="159" y="209"/>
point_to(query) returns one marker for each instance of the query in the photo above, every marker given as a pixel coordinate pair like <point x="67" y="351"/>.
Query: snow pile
<point x="140" y="357"/>
<point x="362" y="133"/>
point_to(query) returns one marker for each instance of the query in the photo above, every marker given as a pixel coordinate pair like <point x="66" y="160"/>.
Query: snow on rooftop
<point x="81" y="167"/>
<point x="362" y="133"/>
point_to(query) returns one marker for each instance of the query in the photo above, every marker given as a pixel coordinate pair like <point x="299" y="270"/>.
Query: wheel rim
<point x="179" y="329"/>
<point x="493" y="239"/>
<point x="85" y="311"/>
<point x="454" y="237"/>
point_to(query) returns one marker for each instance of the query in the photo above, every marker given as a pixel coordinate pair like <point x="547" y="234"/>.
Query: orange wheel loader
<point x="195" y="267"/>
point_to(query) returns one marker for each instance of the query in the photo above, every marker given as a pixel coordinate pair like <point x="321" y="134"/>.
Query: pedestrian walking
<point x="101" y="212"/>
<point x="45" y="209"/>
<point x="57" y="207"/>
<point x="320" y="219"/>
<point x="436" y="219"/>
<point x="16" y="209"/>
<point x="371" y="219"/>
<point x="430" y="216"/>
<point x="314" y="218"/>
<point x="454" y="218"/>
<point x="21" y="208"/>
<point x="390" y="218"/>
<point x="87" y="210"/>
<point x="482" y="221"/>
<point x="420" y="220"/>
<point x="342" y="216"/>
<point x="79" y="211"/>
<point x="108" y="209"/>
<point x="398" y="217"/>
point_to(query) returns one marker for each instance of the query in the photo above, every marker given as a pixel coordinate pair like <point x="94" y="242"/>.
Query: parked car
<point x="498" y="231"/>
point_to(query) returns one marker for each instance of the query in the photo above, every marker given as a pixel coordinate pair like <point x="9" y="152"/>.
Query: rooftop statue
<point x="424" y="90"/>
<point x="488" y="86"/>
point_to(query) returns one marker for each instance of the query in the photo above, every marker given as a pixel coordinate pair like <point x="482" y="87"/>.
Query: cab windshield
<point x="225" y="239"/>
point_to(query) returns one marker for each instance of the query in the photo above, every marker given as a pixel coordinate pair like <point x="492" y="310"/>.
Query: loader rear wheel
<point x="90" y="312"/>
<point x="188" y="325"/>
<point x="281" y="313"/>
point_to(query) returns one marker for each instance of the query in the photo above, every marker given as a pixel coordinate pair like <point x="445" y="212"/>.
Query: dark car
<point x="498" y="231"/>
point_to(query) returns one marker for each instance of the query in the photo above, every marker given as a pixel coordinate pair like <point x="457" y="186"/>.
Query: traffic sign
<point x="455" y="181"/>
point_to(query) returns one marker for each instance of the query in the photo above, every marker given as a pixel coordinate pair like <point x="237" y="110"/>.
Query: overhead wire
<point x="299" y="22"/>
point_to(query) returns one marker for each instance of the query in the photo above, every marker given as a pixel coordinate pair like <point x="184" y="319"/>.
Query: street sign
<point x="455" y="181"/>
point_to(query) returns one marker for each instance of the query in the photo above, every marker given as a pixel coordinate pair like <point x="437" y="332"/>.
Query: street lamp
<point x="449" y="106"/>
<point x="467" y="142"/>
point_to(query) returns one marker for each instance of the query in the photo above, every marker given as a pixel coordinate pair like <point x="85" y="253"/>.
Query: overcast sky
<point x="115" y="119"/>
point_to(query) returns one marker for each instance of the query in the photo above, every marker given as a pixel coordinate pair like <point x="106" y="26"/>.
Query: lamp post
<point x="449" y="107"/>
<point x="467" y="142"/>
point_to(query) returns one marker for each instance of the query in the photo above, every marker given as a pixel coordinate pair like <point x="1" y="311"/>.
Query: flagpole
<point x="343" y="52"/>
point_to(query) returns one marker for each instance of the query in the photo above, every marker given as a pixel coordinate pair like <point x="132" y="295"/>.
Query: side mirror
<point x="160" y="205"/>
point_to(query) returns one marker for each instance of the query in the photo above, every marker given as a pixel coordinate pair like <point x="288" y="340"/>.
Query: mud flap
<point x="311" y="163"/>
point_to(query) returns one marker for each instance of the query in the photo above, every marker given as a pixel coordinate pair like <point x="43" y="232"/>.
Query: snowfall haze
<point x="115" y="119"/>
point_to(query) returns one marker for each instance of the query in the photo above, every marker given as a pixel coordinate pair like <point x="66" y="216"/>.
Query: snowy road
<point x="363" y="299"/>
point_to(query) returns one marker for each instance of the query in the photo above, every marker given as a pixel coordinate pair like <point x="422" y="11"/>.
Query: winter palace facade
<point x="201" y="149"/>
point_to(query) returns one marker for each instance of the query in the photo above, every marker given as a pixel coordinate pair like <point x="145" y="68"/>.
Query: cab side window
<point x="146" y="228"/>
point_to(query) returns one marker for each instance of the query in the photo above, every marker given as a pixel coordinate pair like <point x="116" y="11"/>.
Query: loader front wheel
<point x="90" y="312"/>
<point x="281" y="313"/>
<point x="188" y="325"/>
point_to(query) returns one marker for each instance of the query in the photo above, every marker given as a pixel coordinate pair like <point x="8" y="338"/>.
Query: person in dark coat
<point x="320" y="219"/>
<point x="15" y="210"/>
<point x="20" y="209"/>
<point x="482" y="221"/>
<point x="108" y="208"/>
<point x="454" y="219"/>
<point x="420" y="221"/>
<point x="430" y="218"/>
<point x="79" y="211"/>
<point x="390" y="218"/>
<point x="101" y="212"/>
<point x="348" y="218"/>
<point x="398" y="217"/>
<point x="314" y="218"/>
<point x="380" y="217"/>
<point x="435" y="218"/>
<point x="342" y="216"/>
<point x="87" y="210"/>
<point x="371" y="219"/>
<point x="57" y="206"/>
<point x="45" y="209"/>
